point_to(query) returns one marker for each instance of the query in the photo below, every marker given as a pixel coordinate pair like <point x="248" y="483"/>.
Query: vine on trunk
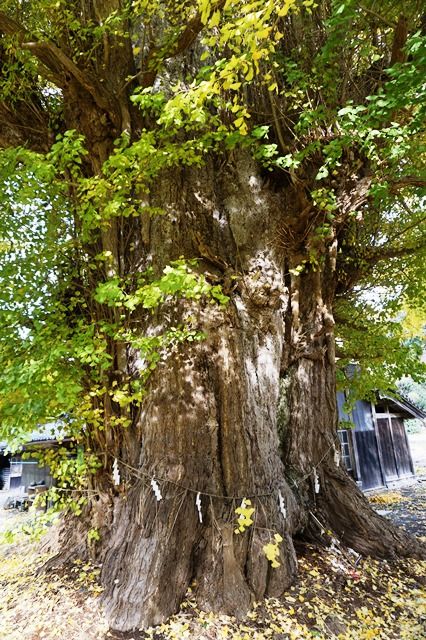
<point x="193" y="194"/>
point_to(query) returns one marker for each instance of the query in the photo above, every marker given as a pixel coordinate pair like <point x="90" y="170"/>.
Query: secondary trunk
<point x="215" y="429"/>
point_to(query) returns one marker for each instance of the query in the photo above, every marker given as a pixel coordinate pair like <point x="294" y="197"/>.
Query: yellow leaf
<point x="285" y="8"/>
<point x="263" y="33"/>
<point x="214" y="20"/>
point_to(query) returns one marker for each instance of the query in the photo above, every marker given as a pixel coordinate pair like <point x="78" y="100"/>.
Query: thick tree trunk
<point x="209" y="426"/>
<point x="330" y="496"/>
<point x="214" y="426"/>
<point x="308" y="423"/>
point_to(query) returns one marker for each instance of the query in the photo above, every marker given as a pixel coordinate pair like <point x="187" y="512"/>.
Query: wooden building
<point x="376" y="451"/>
<point x="18" y="471"/>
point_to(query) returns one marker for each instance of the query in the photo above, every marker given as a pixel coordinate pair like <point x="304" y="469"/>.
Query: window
<point x="345" y="449"/>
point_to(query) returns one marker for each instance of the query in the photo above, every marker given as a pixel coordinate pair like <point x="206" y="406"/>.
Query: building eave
<point x="403" y="406"/>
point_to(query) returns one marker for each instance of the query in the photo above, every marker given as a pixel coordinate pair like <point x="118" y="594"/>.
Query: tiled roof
<point x="47" y="432"/>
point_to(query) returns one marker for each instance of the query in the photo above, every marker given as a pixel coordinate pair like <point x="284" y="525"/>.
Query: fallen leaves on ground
<point x="46" y="606"/>
<point x="406" y="507"/>
<point x="333" y="599"/>
<point x="387" y="497"/>
<point x="337" y="597"/>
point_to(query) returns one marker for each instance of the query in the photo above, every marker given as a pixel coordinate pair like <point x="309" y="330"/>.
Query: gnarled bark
<point x="213" y="422"/>
<point x="209" y="425"/>
<point x="213" y="419"/>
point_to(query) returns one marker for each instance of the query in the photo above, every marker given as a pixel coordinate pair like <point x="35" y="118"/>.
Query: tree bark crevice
<point x="249" y="412"/>
<point x="243" y="413"/>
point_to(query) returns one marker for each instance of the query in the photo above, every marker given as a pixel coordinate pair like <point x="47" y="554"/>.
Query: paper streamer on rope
<point x="336" y="457"/>
<point x="282" y="505"/>
<point x="198" y="505"/>
<point x="115" y="472"/>
<point x="156" y="489"/>
<point x="316" y="482"/>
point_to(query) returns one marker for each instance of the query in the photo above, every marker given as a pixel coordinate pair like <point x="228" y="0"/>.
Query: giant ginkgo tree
<point x="193" y="193"/>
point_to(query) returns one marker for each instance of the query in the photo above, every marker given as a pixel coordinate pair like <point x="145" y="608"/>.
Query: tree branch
<point x="399" y="41"/>
<point x="406" y="181"/>
<point x="157" y="55"/>
<point x="354" y="199"/>
<point x="378" y="16"/>
<point x="388" y="253"/>
<point x="26" y="125"/>
<point x="58" y="64"/>
<point x="413" y="225"/>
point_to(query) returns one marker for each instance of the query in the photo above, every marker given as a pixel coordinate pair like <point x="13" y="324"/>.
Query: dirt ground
<point x="10" y="519"/>
<point x="338" y="595"/>
<point x="417" y="443"/>
<point x="409" y="511"/>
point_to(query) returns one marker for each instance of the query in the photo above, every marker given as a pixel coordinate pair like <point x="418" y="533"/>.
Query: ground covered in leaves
<point x="337" y="596"/>
<point x="406" y="507"/>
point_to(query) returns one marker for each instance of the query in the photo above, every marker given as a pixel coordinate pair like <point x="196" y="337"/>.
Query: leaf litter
<point x="337" y="596"/>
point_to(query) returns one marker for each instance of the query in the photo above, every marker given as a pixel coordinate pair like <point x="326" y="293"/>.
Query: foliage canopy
<point x="339" y="109"/>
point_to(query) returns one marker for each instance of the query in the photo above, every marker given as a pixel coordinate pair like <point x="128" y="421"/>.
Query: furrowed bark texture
<point x="210" y="423"/>
<point x="249" y="412"/>
<point x="307" y="425"/>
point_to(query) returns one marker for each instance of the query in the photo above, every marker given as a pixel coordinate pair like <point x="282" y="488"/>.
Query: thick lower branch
<point x="346" y="510"/>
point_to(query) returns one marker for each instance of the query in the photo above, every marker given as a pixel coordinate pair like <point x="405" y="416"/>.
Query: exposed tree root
<point x="346" y="510"/>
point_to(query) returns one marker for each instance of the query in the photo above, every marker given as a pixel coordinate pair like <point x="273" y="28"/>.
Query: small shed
<point x="376" y="451"/>
<point x="17" y="471"/>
